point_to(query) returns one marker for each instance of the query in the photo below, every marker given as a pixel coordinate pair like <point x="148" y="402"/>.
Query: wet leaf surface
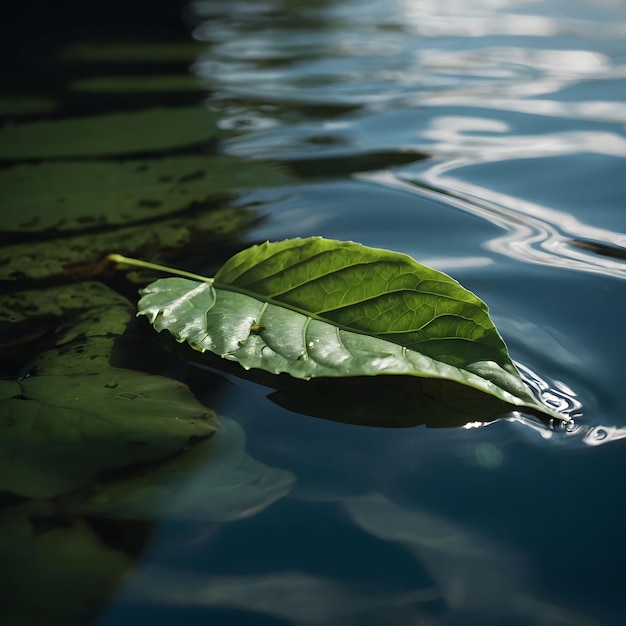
<point x="316" y="308"/>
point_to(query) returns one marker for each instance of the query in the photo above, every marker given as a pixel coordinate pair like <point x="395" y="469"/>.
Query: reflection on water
<point x="293" y="596"/>
<point x="469" y="84"/>
<point x="509" y="118"/>
<point x="485" y="138"/>
<point x="472" y="577"/>
<point x="216" y="481"/>
<point x="478" y="579"/>
<point x="533" y="233"/>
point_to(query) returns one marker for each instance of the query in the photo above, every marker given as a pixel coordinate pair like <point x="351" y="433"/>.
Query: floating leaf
<point x="26" y="105"/>
<point x="59" y="432"/>
<point x="81" y="320"/>
<point x="67" y="196"/>
<point x="148" y="52"/>
<point x="77" y="416"/>
<point x="195" y="229"/>
<point x="165" y="83"/>
<point x="57" y="302"/>
<point x="114" y="133"/>
<point x="321" y="308"/>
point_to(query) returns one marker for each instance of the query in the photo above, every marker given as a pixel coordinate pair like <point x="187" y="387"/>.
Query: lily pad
<point x="163" y="239"/>
<point x="26" y="105"/>
<point x="77" y="417"/>
<point x="67" y="300"/>
<point x="67" y="196"/>
<point x="147" y="52"/>
<point x="60" y="432"/>
<point x="161" y="83"/>
<point x="316" y="308"/>
<point x="131" y="132"/>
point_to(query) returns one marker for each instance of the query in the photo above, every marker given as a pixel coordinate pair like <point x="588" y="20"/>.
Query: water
<point x="485" y="139"/>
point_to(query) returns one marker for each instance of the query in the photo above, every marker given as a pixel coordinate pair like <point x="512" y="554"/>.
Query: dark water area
<point x="484" y="139"/>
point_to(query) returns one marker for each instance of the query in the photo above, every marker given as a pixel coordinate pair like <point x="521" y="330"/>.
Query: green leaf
<point x="59" y="432"/>
<point x="76" y="417"/>
<point x="164" y="239"/>
<point x="68" y="196"/>
<point x="57" y="302"/>
<point x="93" y="315"/>
<point x="160" y="83"/>
<point x="114" y="133"/>
<point x="320" y="308"/>
<point x="136" y="52"/>
<point x="26" y="105"/>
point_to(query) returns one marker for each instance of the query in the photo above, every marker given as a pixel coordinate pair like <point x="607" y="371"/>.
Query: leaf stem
<point x="118" y="258"/>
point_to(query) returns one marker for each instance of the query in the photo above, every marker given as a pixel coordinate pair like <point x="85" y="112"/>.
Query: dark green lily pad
<point x="132" y="132"/>
<point x="60" y="432"/>
<point x="62" y="301"/>
<point x="76" y="416"/>
<point x="162" y="240"/>
<point x="26" y="105"/>
<point x="165" y="83"/>
<point x="118" y="52"/>
<point x="67" y="196"/>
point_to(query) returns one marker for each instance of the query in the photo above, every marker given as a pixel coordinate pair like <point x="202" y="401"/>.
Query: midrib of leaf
<point x="462" y="375"/>
<point x="311" y="315"/>
<point x="394" y="336"/>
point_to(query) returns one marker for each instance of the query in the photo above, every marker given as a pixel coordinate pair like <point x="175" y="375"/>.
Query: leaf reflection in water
<point x="476" y="576"/>
<point x="215" y="480"/>
<point x="294" y="596"/>
<point x="476" y="581"/>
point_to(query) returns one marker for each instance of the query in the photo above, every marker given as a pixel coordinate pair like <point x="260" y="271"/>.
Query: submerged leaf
<point x="320" y="308"/>
<point x="113" y="133"/>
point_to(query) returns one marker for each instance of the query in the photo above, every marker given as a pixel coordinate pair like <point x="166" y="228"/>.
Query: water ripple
<point x="533" y="233"/>
<point x="468" y="84"/>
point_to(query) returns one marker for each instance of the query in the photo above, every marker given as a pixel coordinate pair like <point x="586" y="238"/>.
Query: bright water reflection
<point x="469" y="85"/>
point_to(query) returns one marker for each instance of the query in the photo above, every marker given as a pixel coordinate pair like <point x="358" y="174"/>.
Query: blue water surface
<point x="485" y="139"/>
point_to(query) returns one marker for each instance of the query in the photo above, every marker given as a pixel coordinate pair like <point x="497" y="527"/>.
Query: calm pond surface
<point x="484" y="138"/>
